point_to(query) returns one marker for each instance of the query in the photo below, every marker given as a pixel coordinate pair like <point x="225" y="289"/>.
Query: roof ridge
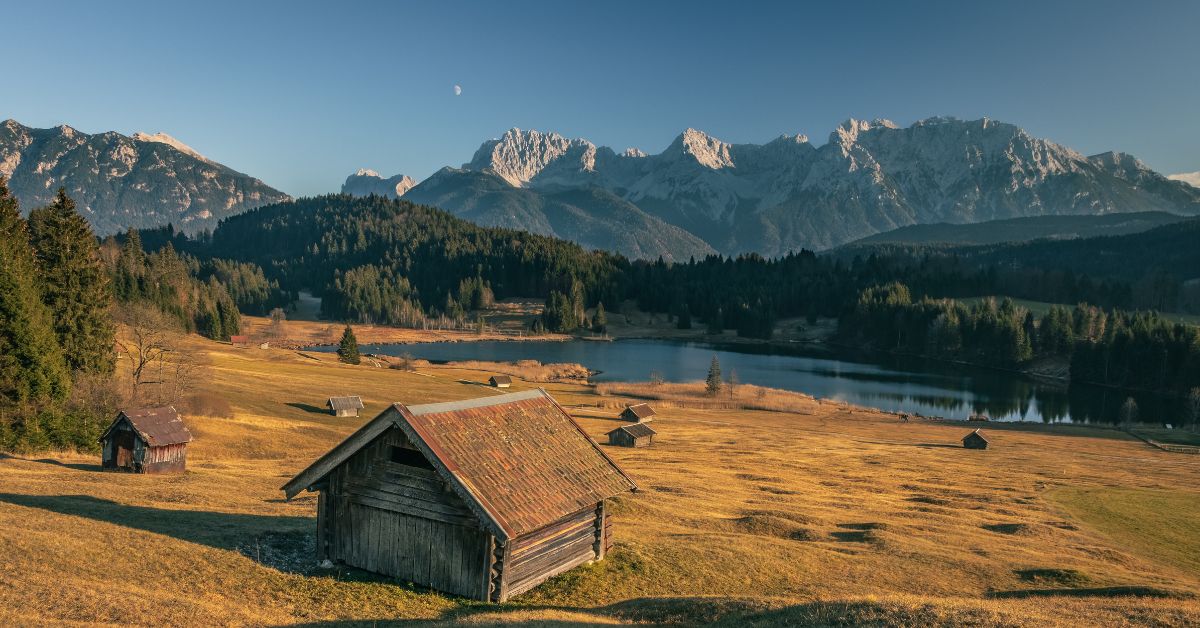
<point x="478" y="402"/>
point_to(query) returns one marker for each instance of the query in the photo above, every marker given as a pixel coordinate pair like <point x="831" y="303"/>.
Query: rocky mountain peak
<point x="708" y="151"/>
<point x="366" y="182"/>
<point x="163" y="138"/>
<point x="519" y="156"/>
<point x="121" y="186"/>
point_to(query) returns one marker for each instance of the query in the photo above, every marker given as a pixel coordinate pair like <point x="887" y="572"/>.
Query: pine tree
<point x="600" y="320"/>
<point x="32" y="367"/>
<point x="75" y="285"/>
<point x="685" y="318"/>
<point x="348" y="347"/>
<point x="713" y="383"/>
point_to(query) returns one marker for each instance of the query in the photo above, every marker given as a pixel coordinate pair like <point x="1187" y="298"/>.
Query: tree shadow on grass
<point x="78" y="466"/>
<point x="276" y="541"/>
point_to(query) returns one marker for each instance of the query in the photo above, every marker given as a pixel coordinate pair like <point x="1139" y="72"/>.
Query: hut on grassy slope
<point x="484" y="498"/>
<point x="638" y="413"/>
<point x="636" y="435"/>
<point x="239" y="341"/>
<point x="500" y="381"/>
<point x="345" y="406"/>
<point x="146" y="440"/>
<point x="975" y="440"/>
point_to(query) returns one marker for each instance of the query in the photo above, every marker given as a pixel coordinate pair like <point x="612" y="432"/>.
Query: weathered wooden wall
<point x="164" y="459"/>
<point x="402" y="521"/>
<point x="545" y="553"/>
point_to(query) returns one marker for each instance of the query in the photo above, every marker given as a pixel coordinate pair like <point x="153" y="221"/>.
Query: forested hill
<point x="1020" y="230"/>
<point x="374" y="258"/>
<point x="1172" y="249"/>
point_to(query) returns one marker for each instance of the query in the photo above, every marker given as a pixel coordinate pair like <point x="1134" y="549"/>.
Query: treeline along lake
<point x="894" y="383"/>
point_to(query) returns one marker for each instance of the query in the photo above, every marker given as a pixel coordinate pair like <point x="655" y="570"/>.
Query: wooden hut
<point x="344" y="406"/>
<point x="483" y="498"/>
<point x="146" y="440"/>
<point x="975" y="440"/>
<point x="636" y="435"/>
<point x="239" y="341"/>
<point x="500" y="381"/>
<point x="638" y="413"/>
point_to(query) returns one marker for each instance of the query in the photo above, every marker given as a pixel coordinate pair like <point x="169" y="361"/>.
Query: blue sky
<point x="302" y="94"/>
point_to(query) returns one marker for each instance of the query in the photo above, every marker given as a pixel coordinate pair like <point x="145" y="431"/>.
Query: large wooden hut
<point x="344" y="406"/>
<point x="975" y="440"/>
<point x="146" y="440"/>
<point x="638" y="413"/>
<point x="636" y="435"/>
<point x="500" y="381"/>
<point x="484" y="498"/>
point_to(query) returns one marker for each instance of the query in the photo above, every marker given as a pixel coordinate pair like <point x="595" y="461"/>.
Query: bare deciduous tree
<point x="278" y="323"/>
<point x="148" y="342"/>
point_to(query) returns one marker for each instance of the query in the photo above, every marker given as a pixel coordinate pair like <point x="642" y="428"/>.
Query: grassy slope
<point x="1163" y="525"/>
<point x="746" y="517"/>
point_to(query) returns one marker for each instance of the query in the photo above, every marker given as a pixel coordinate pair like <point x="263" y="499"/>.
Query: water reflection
<point x="892" y="383"/>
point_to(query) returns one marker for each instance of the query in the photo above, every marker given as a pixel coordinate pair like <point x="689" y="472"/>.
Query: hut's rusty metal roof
<point x="519" y="460"/>
<point x="976" y="434"/>
<point x="345" y="403"/>
<point x="521" y="457"/>
<point x="639" y="411"/>
<point x="637" y="430"/>
<point x="156" y="426"/>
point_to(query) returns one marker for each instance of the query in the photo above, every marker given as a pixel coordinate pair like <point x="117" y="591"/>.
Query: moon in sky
<point x="458" y="90"/>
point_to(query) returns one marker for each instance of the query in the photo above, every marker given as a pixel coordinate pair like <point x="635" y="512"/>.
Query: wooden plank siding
<point x="550" y="551"/>
<point x="401" y="521"/>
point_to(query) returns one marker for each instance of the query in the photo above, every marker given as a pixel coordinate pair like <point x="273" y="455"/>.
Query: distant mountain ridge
<point x="120" y="181"/>
<point x="787" y="194"/>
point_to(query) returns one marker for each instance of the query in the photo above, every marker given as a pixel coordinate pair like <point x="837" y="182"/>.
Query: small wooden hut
<point x="239" y="341"/>
<point x="483" y="498"/>
<point x="500" y="381"/>
<point x="975" y="440"/>
<point x="638" y="413"/>
<point x="146" y="440"/>
<point x="636" y="435"/>
<point x="345" y="406"/>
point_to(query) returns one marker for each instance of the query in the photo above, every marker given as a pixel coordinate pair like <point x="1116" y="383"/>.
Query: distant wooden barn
<point x="344" y="406"/>
<point x="638" y="413"/>
<point x="636" y="435"/>
<point x="146" y="440"/>
<point x="239" y="341"/>
<point x="483" y="498"/>
<point x="500" y="381"/>
<point x="975" y="440"/>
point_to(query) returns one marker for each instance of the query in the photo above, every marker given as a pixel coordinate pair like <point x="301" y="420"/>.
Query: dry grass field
<point x="820" y="515"/>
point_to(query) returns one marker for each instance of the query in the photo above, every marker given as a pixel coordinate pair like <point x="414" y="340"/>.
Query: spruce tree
<point x="32" y="368"/>
<point x="348" y="347"/>
<point x="600" y="320"/>
<point x="75" y="284"/>
<point x="713" y="383"/>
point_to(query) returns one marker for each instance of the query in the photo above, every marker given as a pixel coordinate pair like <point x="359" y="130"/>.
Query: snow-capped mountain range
<point x="787" y="194"/>
<point x="119" y="181"/>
